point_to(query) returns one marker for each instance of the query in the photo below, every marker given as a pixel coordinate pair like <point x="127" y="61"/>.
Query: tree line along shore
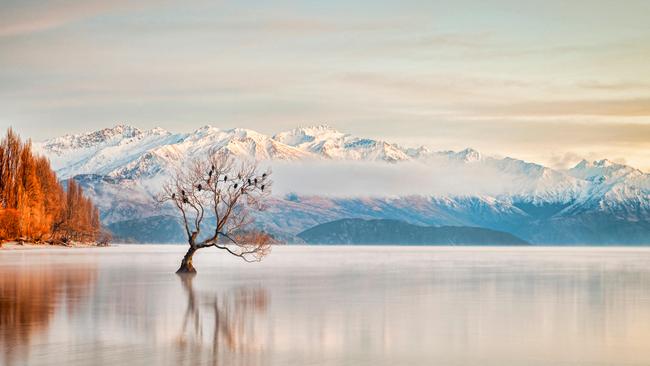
<point x="35" y="207"/>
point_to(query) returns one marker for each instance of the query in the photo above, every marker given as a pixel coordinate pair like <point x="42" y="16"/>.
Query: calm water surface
<point x="326" y="306"/>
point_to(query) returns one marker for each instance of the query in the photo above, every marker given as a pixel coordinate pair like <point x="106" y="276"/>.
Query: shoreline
<point x="14" y="245"/>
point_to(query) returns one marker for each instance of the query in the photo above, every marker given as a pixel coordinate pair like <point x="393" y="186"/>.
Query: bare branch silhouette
<point x="227" y="192"/>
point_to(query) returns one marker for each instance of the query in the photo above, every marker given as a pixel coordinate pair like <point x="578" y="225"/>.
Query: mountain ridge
<point x="123" y="167"/>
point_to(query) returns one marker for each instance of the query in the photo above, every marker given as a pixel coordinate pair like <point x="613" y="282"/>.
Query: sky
<point x="551" y="81"/>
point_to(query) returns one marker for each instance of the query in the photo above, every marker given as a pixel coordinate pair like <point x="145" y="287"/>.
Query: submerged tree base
<point x="186" y="269"/>
<point x="186" y="263"/>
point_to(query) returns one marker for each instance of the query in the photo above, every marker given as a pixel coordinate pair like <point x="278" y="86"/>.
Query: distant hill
<point x="155" y="229"/>
<point x="359" y="231"/>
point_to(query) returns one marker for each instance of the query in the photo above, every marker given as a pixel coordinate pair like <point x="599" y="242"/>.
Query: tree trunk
<point x="186" y="263"/>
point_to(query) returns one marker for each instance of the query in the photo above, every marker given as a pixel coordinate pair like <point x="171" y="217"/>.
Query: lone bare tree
<point x="217" y="195"/>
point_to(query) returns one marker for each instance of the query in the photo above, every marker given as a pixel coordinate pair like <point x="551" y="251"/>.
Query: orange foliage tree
<point x="33" y="204"/>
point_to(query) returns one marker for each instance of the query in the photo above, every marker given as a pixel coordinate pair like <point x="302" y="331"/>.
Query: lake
<point x="326" y="305"/>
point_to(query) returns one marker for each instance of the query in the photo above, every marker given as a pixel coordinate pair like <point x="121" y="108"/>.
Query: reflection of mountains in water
<point x="29" y="297"/>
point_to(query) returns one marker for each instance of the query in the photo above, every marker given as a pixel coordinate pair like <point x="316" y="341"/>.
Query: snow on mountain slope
<point x="102" y="151"/>
<point x="85" y="141"/>
<point x="130" y="153"/>
<point x="538" y="184"/>
<point x="123" y="167"/>
<point x="468" y="155"/>
<point x="329" y="143"/>
<point x="125" y="152"/>
<point x="308" y="136"/>
<point x="609" y="185"/>
<point x="606" y="172"/>
<point x="239" y="142"/>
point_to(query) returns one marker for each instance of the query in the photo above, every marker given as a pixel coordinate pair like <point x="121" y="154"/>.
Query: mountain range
<point x="599" y="202"/>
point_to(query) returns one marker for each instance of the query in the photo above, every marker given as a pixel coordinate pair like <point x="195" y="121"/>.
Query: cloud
<point x="436" y="177"/>
<point x="614" y="86"/>
<point x="27" y="17"/>
<point x="446" y="88"/>
<point x="295" y="26"/>
<point x="625" y="107"/>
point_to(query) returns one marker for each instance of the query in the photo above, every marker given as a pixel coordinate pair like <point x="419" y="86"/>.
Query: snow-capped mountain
<point x="609" y="185"/>
<point x="128" y="153"/>
<point x="102" y="152"/>
<point x="327" y="142"/>
<point x="125" y="152"/>
<point x="122" y="167"/>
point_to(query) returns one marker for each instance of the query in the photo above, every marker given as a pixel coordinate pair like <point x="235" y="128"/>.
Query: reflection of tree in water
<point x="224" y="321"/>
<point x="28" y="299"/>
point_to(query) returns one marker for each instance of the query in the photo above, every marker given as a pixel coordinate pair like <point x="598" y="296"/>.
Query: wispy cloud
<point x="285" y="25"/>
<point x="25" y="17"/>
<point x="424" y="86"/>
<point x="630" y="107"/>
<point x="615" y="86"/>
